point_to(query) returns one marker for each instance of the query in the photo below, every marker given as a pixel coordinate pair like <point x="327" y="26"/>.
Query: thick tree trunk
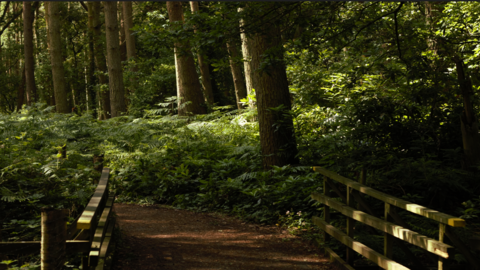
<point x="247" y="58"/>
<point x="28" y="52"/>
<point x="204" y="70"/>
<point x="115" y="74"/>
<point x="95" y="26"/>
<point x="56" y="59"/>
<point x="188" y="84"/>
<point x="277" y="136"/>
<point x="238" y="80"/>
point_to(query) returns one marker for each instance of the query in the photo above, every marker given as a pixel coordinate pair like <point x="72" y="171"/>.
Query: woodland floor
<point x="158" y="237"/>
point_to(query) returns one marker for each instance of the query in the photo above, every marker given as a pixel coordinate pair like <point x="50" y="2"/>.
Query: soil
<point x="159" y="237"/>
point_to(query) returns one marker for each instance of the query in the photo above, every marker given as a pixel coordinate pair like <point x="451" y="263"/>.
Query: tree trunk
<point x="56" y="59"/>
<point x="469" y="121"/>
<point x="188" y="84"/>
<point x="277" y="136"/>
<point x="123" y="44"/>
<point x="28" y="51"/>
<point x="247" y="58"/>
<point x="21" y="92"/>
<point x="95" y="25"/>
<point x="238" y="80"/>
<point x="115" y="74"/>
<point x="204" y="71"/>
<point x="129" y="40"/>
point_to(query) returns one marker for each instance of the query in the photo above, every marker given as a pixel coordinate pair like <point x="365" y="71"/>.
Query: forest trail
<point x="156" y="237"/>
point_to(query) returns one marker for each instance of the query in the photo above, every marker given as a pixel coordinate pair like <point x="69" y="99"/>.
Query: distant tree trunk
<point x="115" y="74"/>
<point x="129" y="40"/>
<point x="238" y="80"/>
<point x="247" y="58"/>
<point x="28" y="52"/>
<point x="21" y="92"/>
<point x="204" y="70"/>
<point x="56" y="59"/>
<point x="188" y="84"/>
<point x="469" y="121"/>
<point x="95" y="28"/>
<point x="277" y="138"/>
<point x="123" y="44"/>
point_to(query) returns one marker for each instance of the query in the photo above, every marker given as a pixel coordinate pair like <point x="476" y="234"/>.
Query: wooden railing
<point x="392" y="231"/>
<point x="90" y="234"/>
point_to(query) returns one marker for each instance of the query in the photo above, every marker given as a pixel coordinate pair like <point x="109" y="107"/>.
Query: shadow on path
<point x="163" y="238"/>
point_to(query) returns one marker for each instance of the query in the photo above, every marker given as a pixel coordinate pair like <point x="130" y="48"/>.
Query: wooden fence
<point x="90" y="234"/>
<point x="437" y="249"/>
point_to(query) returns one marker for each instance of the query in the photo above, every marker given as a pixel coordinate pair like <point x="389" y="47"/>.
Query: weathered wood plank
<point x="414" y="208"/>
<point x="33" y="247"/>
<point x="92" y="209"/>
<point x="367" y="252"/>
<point x="105" y="246"/>
<point x="100" y="233"/>
<point x="399" y="232"/>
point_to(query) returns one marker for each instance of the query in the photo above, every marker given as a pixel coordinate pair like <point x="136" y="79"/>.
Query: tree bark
<point x="204" y="70"/>
<point x="128" y="25"/>
<point x="56" y="59"/>
<point x="123" y="44"/>
<point x="115" y="74"/>
<point x="277" y="138"/>
<point x="28" y="52"/>
<point x="238" y="80"/>
<point x="95" y="25"/>
<point x="469" y="121"/>
<point x="21" y="92"/>
<point x="247" y="58"/>
<point x="188" y="84"/>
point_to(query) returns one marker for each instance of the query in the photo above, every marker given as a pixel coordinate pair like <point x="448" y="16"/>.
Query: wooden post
<point x="98" y="163"/>
<point x="326" y="208"/>
<point x="441" y="237"/>
<point x="54" y="237"/>
<point x="63" y="152"/>
<point x="350" y="225"/>
<point x="387" y="238"/>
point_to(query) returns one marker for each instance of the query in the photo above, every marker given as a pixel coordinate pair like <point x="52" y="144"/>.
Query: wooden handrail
<point x="390" y="229"/>
<point x="411" y="207"/>
<point x="89" y="236"/>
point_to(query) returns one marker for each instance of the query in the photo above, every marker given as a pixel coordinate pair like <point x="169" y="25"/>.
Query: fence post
<point x="326" y="209"/>
<point x="54" y="236"/>
<point x="387" y="238"/>
<point x="441" y="237"/>
<point x="350" y="225"/>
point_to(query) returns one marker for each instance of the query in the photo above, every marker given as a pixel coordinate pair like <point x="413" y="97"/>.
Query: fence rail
<point x="392" y="224"/>
<point x="90" y="234"/>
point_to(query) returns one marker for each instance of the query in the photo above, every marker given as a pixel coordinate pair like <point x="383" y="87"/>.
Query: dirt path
<point x="156" y="237"/>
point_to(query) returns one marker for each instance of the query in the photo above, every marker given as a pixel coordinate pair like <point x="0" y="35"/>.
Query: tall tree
<point x="28" y="52"/>
<point x="188" y="84"/>
<point x="115" y="74"/>
<point x="277" y="138"/>
<point x="247" y="64"/>
<point x="128" y="25"/>
<point x="95" y="25"/>
<point x="204" y="70"/>
<point x="238" y="79"/>
<point x="56" y="59"/>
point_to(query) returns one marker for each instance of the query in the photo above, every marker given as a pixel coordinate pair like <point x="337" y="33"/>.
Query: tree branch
<point x="15" y="16"/>
<point x="84" y="6"/>
<point x="5" y="11"/>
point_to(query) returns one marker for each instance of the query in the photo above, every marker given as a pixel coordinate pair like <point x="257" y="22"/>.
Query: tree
<point x="95" y="25"/>
<point x="188" y="84"/>
<point x="56" y="59"/>
<point x="28" y="51"/>
<point x="238" y="79"/>
<point x="247" y="65"/>
<point x="115" y="74"/>
<point x="128" y="25"/>
<point x="204" y="70"/>
<point x="277" y="138"/>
